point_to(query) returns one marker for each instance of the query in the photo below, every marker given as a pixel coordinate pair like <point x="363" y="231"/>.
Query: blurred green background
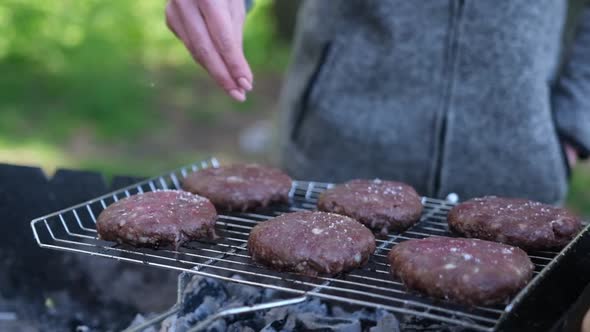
<point x="103" y="85"/>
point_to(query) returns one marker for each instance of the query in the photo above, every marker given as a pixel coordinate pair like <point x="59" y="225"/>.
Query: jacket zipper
<point x="449" y="72"/>
<point x="303" y="106"/>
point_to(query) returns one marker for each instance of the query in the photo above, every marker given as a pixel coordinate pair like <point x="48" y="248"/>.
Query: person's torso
<point x="447" y="95"/>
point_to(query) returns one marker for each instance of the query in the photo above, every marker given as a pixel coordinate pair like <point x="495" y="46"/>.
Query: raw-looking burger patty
<point x="158" y="218"/>
<point x="311" y="243"/>
<point x="466" y="271"/>
<point x="240" y="187"/>
<point x="380" y="205"/>
<point x="519" y="222"/>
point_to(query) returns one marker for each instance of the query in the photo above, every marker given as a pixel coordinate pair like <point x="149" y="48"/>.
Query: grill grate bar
<point x="73" y="230"/>
<point x="319" y="287"/>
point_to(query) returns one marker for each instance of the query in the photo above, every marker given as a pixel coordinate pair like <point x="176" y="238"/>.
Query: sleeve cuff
<point x="572" y="120"/>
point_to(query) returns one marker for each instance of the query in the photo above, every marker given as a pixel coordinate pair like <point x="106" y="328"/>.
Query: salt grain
<point x="317" y="231"/>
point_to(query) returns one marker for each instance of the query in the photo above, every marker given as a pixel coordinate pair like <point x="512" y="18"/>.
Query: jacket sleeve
<point x="571" y="94"/>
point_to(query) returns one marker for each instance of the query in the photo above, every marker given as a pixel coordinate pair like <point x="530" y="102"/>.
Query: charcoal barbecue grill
<point x="74" y="230"/>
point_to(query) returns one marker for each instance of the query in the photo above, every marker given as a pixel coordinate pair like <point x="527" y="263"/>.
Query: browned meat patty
<point x="466" y="271"/>
<point x="158" y="218"/>
<point x="381" y="205"/>
<point x="519" y="222"/>
<point x="240" y="187"/>
<point x="311" y="243"/>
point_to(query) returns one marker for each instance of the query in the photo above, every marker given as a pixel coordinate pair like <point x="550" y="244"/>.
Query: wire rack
<point x="227" y="258"/>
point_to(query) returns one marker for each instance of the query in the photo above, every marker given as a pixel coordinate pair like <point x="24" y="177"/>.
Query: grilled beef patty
<point x="157" y="218"/>
<point x="240" y="187"/>
<point x="380" y="205"/>
<point x="466" y="271"/>
<point x="519" y="222"/>
<point x="311" y="243"/>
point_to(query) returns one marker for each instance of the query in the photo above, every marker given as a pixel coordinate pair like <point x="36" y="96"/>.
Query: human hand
<point x="571" y="154"/>
<point x="212" y="32"/>
<point x="586" y="322"/>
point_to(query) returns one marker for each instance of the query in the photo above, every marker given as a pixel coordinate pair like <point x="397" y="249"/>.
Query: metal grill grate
<point x="227" y="258"/>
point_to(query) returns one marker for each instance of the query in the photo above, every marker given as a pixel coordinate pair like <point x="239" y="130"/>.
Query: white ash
<point x="205" y="296"/>
<point x="140" y="319"/>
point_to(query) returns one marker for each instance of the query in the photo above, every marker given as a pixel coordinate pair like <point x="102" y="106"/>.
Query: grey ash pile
<point x="205" y="297"/>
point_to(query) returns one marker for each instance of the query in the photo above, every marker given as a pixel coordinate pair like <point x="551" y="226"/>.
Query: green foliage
<point x="95" y="65"/>
<point x="263" y="47"/>
<point x="579" y="194"/>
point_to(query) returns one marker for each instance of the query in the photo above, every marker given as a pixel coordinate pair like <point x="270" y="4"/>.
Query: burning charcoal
<point x="362" y="314"/>
<point x="169" y="324"/>
<point x="247" y="295"/>
<point x="139" y="319"/>
<point x="309" y="315"/>
<point x="415" y="323"/>
<point x="203" y="297"/>
<point x="239" y="328"/>
<point x="386" y="322"/>
<point x="371" y="320"/>
<point x="314" y="305"/>
<point x="313" y="322"/>
<point x="240" y="325"/>
<point x="217" y="326"/>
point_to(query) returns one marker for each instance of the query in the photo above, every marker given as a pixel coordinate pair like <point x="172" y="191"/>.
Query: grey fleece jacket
<point x="459" y="96"/>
